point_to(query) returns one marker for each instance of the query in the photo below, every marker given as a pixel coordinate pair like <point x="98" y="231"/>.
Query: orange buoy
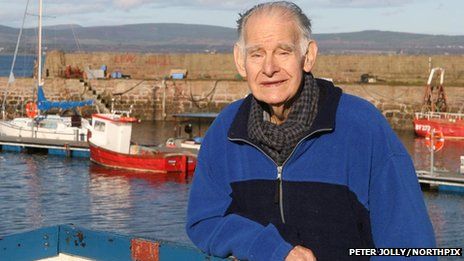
<point x="435" y="142"/>
<point x="31" y="109"/>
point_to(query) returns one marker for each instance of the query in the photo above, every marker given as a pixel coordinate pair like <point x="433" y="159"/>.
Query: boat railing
<point x="439" y="115"/>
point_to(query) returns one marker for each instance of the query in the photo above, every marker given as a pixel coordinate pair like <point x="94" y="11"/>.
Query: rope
<point x="128" y="90"/>
<point x="208" y="97"/>
<point x="211" y="92"/>
<point x="76" y="39"/>
<point x="11" y="75"/>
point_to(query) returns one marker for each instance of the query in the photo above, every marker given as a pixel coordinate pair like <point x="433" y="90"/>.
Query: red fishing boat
<point x="110" y="146"/>
<point x="451" y="124"/>
<point x="434" y="113"/>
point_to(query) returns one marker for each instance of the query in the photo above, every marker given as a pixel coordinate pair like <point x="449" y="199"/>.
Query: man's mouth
<point x="273" y="83"/>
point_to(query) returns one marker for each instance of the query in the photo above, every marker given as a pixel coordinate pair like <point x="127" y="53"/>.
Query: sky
<point x="329" y="16"/>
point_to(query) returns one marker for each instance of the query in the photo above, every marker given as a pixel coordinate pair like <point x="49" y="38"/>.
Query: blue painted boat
<point x="68" y="242"/>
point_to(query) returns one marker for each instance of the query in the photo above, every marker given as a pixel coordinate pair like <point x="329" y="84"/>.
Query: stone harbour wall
<point x="397" y="102"/>
<point x="388" y="69"/>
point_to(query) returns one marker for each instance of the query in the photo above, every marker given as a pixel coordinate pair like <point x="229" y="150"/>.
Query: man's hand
<point x="300" y="253"/>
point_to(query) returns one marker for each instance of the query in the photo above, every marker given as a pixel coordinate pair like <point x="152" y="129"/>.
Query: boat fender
<point x="170" y="143"/>
<point x="31" y="109"/>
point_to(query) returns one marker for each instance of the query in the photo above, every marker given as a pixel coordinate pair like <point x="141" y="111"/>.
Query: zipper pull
<point x="278" y="185"/>
<point x="279" y="172"/>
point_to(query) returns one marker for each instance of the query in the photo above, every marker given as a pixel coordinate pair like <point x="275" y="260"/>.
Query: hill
<point x="188" y="38"/>
<point x="385" y="41"/>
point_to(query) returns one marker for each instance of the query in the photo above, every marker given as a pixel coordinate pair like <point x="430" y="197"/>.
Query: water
<point x="446" y="210"/>
<point x="447" y="159"/>
<point x="23" y="68"/>
<point x="41" y="190"/>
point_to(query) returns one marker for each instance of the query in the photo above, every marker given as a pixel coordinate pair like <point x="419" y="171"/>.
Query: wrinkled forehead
<point x="271" y="27"/>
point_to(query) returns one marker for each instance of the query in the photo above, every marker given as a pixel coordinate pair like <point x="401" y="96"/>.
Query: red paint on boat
<point x="144" y="250"/>
<point x="451" y="128"/>
<point x="159" y="162"/>
<point x="116" y="119"/>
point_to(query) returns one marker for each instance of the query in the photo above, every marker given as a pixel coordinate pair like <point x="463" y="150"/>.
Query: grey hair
<point x="303" y="23"/>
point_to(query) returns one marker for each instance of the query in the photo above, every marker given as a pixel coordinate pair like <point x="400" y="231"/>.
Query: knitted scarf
<point x="278" y="141"/>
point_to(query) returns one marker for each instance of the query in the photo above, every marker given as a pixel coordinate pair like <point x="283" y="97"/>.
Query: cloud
<point x="226" y="3"/>
<point x="68" y="8"/>
<point x="88" y="12"/>
<point x="129" y="4"/>
<point x="392" y="12"/>
<point x="59" y="7"/>
<point x="243" y="4"/>
<point x="367" y="3"/>
<point x="209" y="4"/>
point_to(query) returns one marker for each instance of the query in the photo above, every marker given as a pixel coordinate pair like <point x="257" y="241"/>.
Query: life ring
<point x="31" y="109"/>
<point x="438" y="140"/>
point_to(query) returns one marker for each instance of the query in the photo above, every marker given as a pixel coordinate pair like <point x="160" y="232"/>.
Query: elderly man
<point x="298" y="170"/>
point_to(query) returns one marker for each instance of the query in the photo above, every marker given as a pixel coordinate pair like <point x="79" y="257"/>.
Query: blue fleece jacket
<point x="349" y="183"/>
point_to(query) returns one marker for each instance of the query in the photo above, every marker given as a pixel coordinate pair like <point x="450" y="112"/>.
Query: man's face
<point x="272" y="63"/>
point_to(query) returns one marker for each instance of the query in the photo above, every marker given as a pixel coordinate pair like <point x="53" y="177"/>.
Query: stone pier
<point x="397" y="102"/>
<point x="212" y="82"/>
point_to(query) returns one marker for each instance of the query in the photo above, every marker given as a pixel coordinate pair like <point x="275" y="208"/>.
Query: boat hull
<point x="450" y="128"/>
<point x="9" y="128"/>
<point x="70" y="242"/>
<point x="160" y="162"/>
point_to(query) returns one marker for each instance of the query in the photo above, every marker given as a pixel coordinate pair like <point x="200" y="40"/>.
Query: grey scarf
<point x="278" y="141"/>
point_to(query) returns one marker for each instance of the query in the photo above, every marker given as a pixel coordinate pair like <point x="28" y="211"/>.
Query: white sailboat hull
<point x="56" y="128"/>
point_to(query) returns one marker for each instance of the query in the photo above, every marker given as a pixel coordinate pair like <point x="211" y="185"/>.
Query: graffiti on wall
<point x="125" y="58"/>
<point x="161" y="60"/>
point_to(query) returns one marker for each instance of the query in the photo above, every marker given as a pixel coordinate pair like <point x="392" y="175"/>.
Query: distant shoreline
<point x="191" y="38"/>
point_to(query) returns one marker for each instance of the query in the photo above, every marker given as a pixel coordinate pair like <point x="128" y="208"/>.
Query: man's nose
<point x="270" y="66"/>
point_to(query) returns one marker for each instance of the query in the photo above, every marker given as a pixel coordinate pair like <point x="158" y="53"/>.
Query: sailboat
<point x="40" y="126"/>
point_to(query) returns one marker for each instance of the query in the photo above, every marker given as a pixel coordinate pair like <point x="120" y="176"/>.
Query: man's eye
<point x="284" y="53"/>
<point x="256" y="55"/>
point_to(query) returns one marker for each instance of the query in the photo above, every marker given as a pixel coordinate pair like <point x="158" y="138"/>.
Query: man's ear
<point x="239" y="58"/>
<point x="310" y="56"/>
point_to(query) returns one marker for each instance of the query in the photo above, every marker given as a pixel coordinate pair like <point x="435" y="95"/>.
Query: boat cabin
<point x="112" y="132"/>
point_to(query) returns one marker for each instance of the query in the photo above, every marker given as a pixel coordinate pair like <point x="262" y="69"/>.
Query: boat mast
<point x="39" y="58"/>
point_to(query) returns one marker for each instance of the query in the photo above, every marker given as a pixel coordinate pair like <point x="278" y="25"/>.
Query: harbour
<point x="41" y="190"/>
<point x="103" y="167"/>
<point x="50" y="182"/>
